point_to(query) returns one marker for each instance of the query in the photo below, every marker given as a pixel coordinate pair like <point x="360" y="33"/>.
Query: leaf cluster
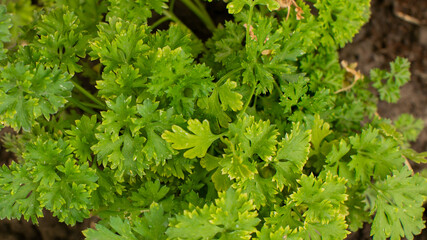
<point x="257" y="133"/>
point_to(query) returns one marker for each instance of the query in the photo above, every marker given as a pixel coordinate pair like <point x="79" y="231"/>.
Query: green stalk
<point x="171" y="5"/>
<point x="174" y="18"/>
<point x="81" y="106"/>
<point x="248" y="27"/>
<point x="158" y="22"/>
<point x="203" y="15"/>
<point x="202" y="8"/>
<point x="227" y="75"/>
<point x="248" y="101"/>
<point x="92" y="105"/>
<point x="88" y="94"/>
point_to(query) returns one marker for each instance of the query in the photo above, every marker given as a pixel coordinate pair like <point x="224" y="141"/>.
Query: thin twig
<point x="408" y="165"/>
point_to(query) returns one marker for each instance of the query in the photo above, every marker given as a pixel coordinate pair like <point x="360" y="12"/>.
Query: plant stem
<point x="278" y="87"/>
<point x="174" y="18"/>
<point x="81" y="106"/>
<point x="158" y="22"/>
<point x="171" y="5"/>
<point x="203" y="15"/>
<point x="248" y="27"/>
<point x="248" y="101"/>
<point x="88" y="94"/>
<point x="92" y="105"/>
<point x="202" y="8"/>
<point x="227" y="75"/>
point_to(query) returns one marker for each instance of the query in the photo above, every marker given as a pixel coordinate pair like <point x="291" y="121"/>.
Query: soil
<point x="396" y="28"/>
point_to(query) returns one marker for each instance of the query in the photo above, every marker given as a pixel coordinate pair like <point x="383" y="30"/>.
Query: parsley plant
<point x="259" y="132"/>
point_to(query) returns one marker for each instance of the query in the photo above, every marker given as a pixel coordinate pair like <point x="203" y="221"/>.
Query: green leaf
<point x="61" y="41"/>
<point x="154" y="223"/>
<point x="136" y="11"/>
<point x="149" y="193"/>
<point x="376" y="156"/>
<point x="291" y="156"/>
<point x="389" y="83"/>
<point x="18" y="194"/>
<point x="82" y="137"/>
<point x="397" y="204"/>
<point x="119" y="43"/>
<point x="409" y="126"/>
<point x="122" y="228"/>
<point x="27" y="93"/>
<point x="341" y="20"/>
<point x="246" y="142"/>
<point x="236" y="6"/>
<point x="320" y="130"/>
<point x="63" y="186"/>
<point x="197" y="143"/>
<point x="262" y="139"/>
<point x="223" y="98"/>
<point x="155" y="122"/>
<point x="228" y="98"/>
<point x="124" y="80"/>
<point x="176" y="76"/>
<point x="315" y="210"/>
<point x="5" y="24"/>
<point x="232" y="216"/>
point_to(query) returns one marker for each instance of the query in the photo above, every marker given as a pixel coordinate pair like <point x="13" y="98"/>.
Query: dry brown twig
<point x="405" y="17"/>
<point x="351" y="70"/>
<point x="287" y="4"/>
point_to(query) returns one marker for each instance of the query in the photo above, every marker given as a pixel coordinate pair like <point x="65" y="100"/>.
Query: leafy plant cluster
<point x="257" y="133"/>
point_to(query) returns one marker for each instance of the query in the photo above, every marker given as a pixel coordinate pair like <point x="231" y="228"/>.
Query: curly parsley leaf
<point x="376" y="156"/>
<point x="197" y="143"/>
<point x="62" y="41"/>
<point x="389" y="83"/>
<point x="236" y="6"/>
<point x="397" y="204"/>
<point x="17" y="194"/>
<point x="27" y="93"/>
<point x="232" y="216"/>
<point x="292" y="154"/>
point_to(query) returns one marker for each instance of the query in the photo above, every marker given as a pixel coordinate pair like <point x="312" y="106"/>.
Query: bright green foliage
<point x="57" y="183"/>
<point x="397" y="207"/>
<point x="82" y="137"/>
<point x="5" y="25"/>
<point x="389" y="83"/>
<point x="223" y="98"/>
<point x="151" y="192"/>
<point x="409" y="126"/>
<point x="376" y="156"/>
<point x="62" y="41"/>
<point x="136" y="11"/>
<point x="118" y="43"/>
<point x="199" y="142"/>
<point x="291" y="157"/>
<point x="151" y="226"/>
<point x="231" y="217"/>
<point x="259" y="132"/>
<point x="125" y="80"/>
<point x="179" y="79"/>
<point x="342" y="18"/>
<point x="15" y="198"/>
<point x="315" y="211"/>
<point x="21" y="16"/>
<point x="247" y="141"/>
<point x="236" y="6"/>
<point x="27" y="93"/>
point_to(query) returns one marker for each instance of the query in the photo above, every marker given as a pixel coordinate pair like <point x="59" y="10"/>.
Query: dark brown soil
<point x="396" y="28"/>
<point x="392" y="32"/>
